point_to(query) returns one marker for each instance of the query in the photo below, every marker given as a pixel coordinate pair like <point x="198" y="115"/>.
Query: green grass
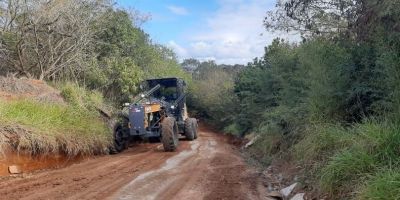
<point x="346" y="157"/>
<point x="381" y="186"/>
<point x="50" y="128"/>
<point x="345" y="170"/>
<point x="382" y="139"/>
<point x="361" y="161"/>
<point x="81" y="98"/>
<point x="353" y="162"/>
<point x="267" y="145"/>
<point x="320" y="142"/>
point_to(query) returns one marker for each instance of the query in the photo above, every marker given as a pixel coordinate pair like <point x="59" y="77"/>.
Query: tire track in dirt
<point x="95" y="178"/>
<point x="207" y="168"/>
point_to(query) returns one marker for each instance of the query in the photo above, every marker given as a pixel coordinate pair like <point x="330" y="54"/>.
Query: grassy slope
<point x="358" y="162"/>
<point x="75" y="128"/>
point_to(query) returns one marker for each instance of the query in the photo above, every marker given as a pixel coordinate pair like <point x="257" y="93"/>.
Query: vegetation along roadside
<point x="95" y="55"/>
<point x="327" y="105"/>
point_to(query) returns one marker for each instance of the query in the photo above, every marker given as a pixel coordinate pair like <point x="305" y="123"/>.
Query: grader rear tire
<point x="169" y="134"/>
<point x="195" y="127"/>
<point x="190" y="129"/>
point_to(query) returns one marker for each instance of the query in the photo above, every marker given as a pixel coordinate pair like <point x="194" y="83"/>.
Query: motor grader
<point x="157" y="114"/>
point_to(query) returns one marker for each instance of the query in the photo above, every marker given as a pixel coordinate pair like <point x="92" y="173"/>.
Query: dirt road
<point x="208" y="168"/>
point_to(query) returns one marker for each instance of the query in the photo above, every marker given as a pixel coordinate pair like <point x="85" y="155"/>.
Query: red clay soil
<point x="207" y="168"/>
<point x="27" y="163"/>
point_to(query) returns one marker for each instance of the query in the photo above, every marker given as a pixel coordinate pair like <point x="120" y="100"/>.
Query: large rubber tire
<point x="190" y="129"/>
<point x="169" y="134"/>
<point x="119" y="142"/>
<point x="195" y="127"/>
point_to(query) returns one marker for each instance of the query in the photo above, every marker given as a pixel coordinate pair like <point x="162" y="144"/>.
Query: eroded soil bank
<point x="28" y="163"/>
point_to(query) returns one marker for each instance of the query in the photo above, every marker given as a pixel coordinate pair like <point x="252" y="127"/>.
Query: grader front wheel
<point x="169" y="134"/>
<point x="119" y="142"/>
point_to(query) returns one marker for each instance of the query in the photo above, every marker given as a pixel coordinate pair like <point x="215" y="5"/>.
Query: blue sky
<point x="227" y="31"/>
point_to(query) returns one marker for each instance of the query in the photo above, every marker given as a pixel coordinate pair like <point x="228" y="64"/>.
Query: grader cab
<point x="157" y="114"/>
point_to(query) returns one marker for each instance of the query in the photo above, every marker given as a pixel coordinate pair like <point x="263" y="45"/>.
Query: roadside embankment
<point x="39" y="121"/>
<point x="336" y="162"/>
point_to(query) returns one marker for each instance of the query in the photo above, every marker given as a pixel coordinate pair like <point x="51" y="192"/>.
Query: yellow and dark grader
<point x="158" y="114"/>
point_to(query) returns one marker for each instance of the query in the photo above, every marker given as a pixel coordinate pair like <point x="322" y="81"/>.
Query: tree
<point x="211" y="93"/>
<point x="190" y="65"/>
<point x="124" y="55"/>
<point x="45" y="40"/>
<point x="313" y="17"/>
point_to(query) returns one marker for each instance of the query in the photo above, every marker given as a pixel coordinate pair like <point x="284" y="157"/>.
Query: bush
<point x="211" y="95"/>
<point x="73" y="94"/>
<point x="325" y="68"/>
<point x="268" y="143"/>
<point x="81" y="98"/>
<point x="232" y="129"/>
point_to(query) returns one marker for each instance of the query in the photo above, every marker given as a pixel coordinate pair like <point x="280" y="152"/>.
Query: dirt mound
<point x="15" y="88"/>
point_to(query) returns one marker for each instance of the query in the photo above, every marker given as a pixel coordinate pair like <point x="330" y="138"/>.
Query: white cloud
<point x="233" y="34"/>
<point x="200" y="46"/>
<point x="178" y="10"/>
<point x="182" y="52"/>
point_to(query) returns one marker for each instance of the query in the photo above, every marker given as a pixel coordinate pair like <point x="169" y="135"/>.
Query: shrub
<point x="73" y="94"/>
<point x="81" y="98"/>
<point x="267" y="144"/>
<point x="232" y="129"/>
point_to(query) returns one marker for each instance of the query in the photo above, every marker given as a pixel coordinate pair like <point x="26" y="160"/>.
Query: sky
<point x="227" y="31"/>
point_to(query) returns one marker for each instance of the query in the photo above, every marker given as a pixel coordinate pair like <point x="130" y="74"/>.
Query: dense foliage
<point x="211" y="92"/>
<point x="89" y="42"/>
<point x="331" y="102"/>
